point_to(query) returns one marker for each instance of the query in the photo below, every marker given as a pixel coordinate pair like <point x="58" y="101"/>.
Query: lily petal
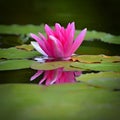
<point x="38" y="48"/>
<point x="78" y="41"/>
<point x="57" y="27"/>
<point x="48" y="30"/>
<point x="42" y="36"/>
<point x="36" y="38"/>
<point x="70" y="31"/>
<point x="57" y="47"/>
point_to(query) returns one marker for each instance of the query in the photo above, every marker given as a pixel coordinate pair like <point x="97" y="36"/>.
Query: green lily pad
<point x="27" y="47"/>
<point x="98" y="66"/>
<point x="14" y="53"/>
<point x="105" y="37"/>
<point x="97" y="62"/>
<point x="71" y="101"/>
<point x="96" y="58"/>
<point x="21" y="29"/>
<point x="53" y="65"/>
<point x="15" y="64"/>
<point x="102" y="79"/>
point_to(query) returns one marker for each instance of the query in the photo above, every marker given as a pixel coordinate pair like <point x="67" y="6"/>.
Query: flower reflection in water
<point x="56" y="76"/>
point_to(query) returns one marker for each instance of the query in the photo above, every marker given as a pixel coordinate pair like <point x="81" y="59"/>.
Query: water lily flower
<point x="59" y="42"/>
<point x="56" y="76"/>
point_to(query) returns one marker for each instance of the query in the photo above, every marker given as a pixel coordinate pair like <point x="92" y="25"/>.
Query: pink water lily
<point x="56" y="76"/>
<point x="59" y="42"/>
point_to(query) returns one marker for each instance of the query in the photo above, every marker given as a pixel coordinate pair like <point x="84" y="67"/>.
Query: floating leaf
<point x="53" y="65"/>
<point x="105" y="37"/>
<point x="95" y="58"/>
<point x="15" y="64"/>
<point x="97" y="62"/>
<point x="28" y="47"/>
<point x="71" y="101"/>
<point x="21" y="29"/>
<point x="97" y="66"/>
<point x="14" y="53"/>
<point x="102" y="79"/>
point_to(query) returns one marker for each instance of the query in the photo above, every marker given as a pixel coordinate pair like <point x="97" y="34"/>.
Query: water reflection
<point x="55" y="76"/>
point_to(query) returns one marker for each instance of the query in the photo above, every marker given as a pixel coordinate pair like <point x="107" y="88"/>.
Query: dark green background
<point x="101" y="15"/>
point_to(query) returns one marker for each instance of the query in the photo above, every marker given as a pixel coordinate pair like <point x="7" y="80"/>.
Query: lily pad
<point x="105" y="37"/>
<point x="15" y="64"/>
<point x="32" y="102"/>
<point x="96" y="58"/>
<point x="97" y="66"/>
<point x="97" y="62"/>
<point x="54" y="65"/>
<point x="21" y="29"/>
<point x="27" y="47"/>
<point x="102" y="79"/>
<point x="14" y="53"/>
